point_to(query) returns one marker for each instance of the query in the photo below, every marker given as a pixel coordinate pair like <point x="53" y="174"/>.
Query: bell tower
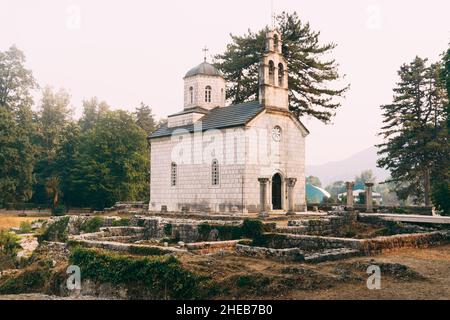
<point x="273" y="74"/>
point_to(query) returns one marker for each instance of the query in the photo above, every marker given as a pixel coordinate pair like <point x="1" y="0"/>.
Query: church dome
<point x="204" y="68"/>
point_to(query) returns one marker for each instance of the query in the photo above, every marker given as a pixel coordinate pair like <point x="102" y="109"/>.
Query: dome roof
<point x="204" y="68"/>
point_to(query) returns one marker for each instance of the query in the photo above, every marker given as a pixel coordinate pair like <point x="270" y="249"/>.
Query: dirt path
<point x="322" y="281"/>
<point x="433" y="264"/>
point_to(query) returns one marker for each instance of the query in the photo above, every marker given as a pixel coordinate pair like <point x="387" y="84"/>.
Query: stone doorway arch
<point x="277" y="192"/>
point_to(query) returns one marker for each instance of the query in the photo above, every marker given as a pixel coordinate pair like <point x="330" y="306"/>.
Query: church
<point x="244" y="158"/>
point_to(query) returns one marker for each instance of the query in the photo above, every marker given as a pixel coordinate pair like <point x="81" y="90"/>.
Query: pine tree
<point x="311" y="78"/>
<point x="413" y="147"/>
<point x="145" y="118"/>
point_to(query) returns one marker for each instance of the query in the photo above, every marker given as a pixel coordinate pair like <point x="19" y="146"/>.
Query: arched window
<point x="191" y="94"/>
<point x="271" y="72"/>
<point x="280" y="74"/>
<point x="173" y="174"/>
<point x="215" y="174"/>
<point x="208" y="94"/>
<point x="275" y="43"/>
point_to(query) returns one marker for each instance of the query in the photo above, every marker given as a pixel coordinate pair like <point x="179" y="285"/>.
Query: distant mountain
<point x="347" y="169"/>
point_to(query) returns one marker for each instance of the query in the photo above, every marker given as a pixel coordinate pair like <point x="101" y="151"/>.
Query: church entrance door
<point x="276" y="192"/>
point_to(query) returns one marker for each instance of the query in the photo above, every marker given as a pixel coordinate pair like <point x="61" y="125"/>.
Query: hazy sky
<point x="125" y="52"/>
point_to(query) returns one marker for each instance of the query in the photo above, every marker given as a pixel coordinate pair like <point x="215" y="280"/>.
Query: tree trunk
<point x="55" y="199"/>
<point x="426" y="187"/>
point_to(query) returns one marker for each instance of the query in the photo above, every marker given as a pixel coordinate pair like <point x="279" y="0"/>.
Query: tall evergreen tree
<point x="311" y="78"/>
<point x="412" y="130"/>
<point x="16" y="127"/>
<point x="145" y="118"/>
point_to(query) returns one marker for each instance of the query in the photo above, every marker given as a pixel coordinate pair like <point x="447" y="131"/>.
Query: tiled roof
<point x="231" y="116"/>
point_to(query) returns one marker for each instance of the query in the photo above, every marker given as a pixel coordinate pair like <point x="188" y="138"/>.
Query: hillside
<point x="348" y="168"/>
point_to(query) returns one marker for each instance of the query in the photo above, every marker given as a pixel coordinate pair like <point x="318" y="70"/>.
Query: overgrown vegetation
<point x="92" y="225"/>
<point x="162" y="277"/>
<point x="25" y="227"/>
<point x="124" y="222"/>
<point x="249" y="229"/>
<point x="147" y="251"/>
<point x="56" y="232"/>
<point x="9" y="243"/>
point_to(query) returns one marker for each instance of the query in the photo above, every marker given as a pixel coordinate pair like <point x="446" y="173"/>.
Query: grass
<point x="8" y="221"/>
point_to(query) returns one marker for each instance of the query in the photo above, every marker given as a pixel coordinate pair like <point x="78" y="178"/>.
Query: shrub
<point x="26" y="282"/>
<point x="255" y="281"/>
<point x="161" y="276"/>
<point x="9" y="243"/>
<point x="147" y="251"/>
<point x="92" y="225"/>
<point x="441" y="197"/>
<point x="253" y="228"/>
<point x="168" y="229"/>
<point x="57" y="231"/>
<point x="25" y="227"/>
<point x="124" y="222"/>
<point x="249" y="229"/>
<point x="59" y="211"/>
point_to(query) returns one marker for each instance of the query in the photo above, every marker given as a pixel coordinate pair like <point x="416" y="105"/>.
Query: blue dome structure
<point x="315" y="194"/>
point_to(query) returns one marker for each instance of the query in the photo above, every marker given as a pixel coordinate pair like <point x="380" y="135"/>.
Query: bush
<point x="59" y="211"/>
<point x="249" y="229"/>
<point x="92" y="225"/>
<point x="124" y="222"/>
<point x="26" y="282"/>
<point x="161" y="276"/>
<point x="168" y="229"/>
<point x="9" y="243"/>
<point x="440" y="195"/>
<point x="25" y="227"/>
<point x="147" y="251"/>
<point x="57" y="231"/>
<point x="253" y="228"/>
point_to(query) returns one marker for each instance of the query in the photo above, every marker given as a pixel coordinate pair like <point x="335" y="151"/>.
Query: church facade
<point x="242" y="158"/>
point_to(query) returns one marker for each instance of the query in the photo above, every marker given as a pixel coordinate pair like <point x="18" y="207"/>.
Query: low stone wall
<point x="290" y="254"/>
<point x="185" y="230"/>
<point x="422" y="240"/>
<point x="125" y="247"/>
<point x="212" y="247"/>
<point x="366" y="246"/>
<point x="320" y="226"/>
<point x="113" y="232"/>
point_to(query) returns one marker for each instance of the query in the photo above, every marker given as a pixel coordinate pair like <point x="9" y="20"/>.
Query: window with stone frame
<point x="271" y="72"/>
<point x="208" y="90"/>
<point x="215" y="174"/>
<point x="280" y="74"/>
<point x="173" y="174"/>
<point x="191" y="94"/>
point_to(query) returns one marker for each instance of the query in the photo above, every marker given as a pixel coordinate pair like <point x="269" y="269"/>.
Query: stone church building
<point x="242" y="158"/>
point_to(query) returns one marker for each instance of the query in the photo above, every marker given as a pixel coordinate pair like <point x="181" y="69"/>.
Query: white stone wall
<point x="241" y="164"/>
<point x="194" y="188"/>
<point x="286" y="157"/>
<point x="199" y="83"/>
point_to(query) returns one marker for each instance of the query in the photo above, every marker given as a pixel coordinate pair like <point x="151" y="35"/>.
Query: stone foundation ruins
<point x="298" y="238"/>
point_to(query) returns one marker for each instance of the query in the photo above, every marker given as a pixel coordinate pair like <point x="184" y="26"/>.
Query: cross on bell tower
<point x="205" y="50"/>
